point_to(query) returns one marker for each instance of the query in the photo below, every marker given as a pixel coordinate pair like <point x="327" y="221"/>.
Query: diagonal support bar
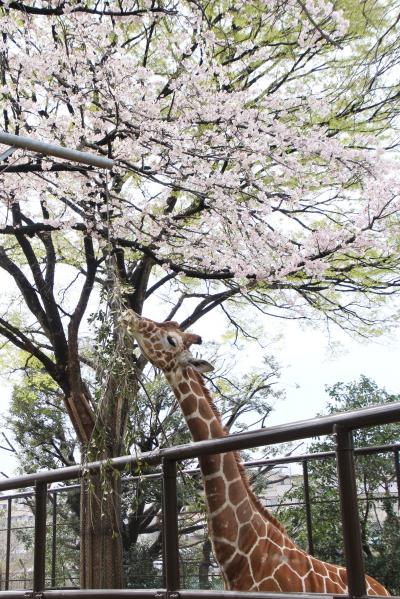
<point x="27" y="143"/>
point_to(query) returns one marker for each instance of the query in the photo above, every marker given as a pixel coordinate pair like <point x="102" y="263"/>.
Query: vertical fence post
<point x="54" y="540"/>
<point x="349" y="508"/>
<point x="307" y="501"/>
<point x="39" y="548"/>
<point x="397" y="470"/>
<point x="8" y="545"/>
<point x="170" y="527"/>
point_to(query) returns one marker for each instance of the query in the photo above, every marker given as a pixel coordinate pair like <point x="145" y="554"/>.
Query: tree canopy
<point x="249" y="140"/>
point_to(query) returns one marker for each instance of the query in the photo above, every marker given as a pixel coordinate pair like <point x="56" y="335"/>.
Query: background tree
<point x="376" y="479"/>
<point x="42" y="438"/>
<point x="249" y="141"/>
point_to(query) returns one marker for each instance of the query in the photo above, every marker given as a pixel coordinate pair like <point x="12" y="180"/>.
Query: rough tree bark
<point x="101" y="542"/>
<point x="205" y="565"/>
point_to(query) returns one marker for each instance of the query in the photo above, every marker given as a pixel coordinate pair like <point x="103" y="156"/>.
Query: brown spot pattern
<point x="264" y="562"/>
<point x="188" y="405"/>
<point x="223" y="551"/>
<point x="237" y="565"/>
<point x="270" y="585"/>
<point x="244" y="511"/>
<point x="199" y="429"/>
<point x="216" y="429"/>
<point x="184" y="388"/>
<point x="298" y="560"/>
<point x="210" y="464"/>
<point x="248" y="538"/>
<point x="196" y="388"/>
<point x="230" y="467"/>
<point x="236" y="492"/>
<point x="259" y="525"/>
<point x="243" y="580"/>
<point x="318" y="566"/>
<point x="205" y="410"/>
<point x="288" y="579"/>
<point x="314" y="581"/>
<point x="215" y="491"/>
<point x="225" y="525"/>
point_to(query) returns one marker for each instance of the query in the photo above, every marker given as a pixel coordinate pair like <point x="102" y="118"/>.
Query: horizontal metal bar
<point x="49" y="492"/>
<point x="303" y="429"/>
<point x="182" y="516"/>
<point x="27" y="143"/>
<point x="249" y="464"/>
<point x="13" y="594"/>
<point x="160" y="593"/>
<point x="287" y="432"/>
<point x="86" y="594"/>
<point x="318" y="455"/>
<point x="200" y="594"/>
<point x="205" y="594"/>
<point x="74" y="472"/>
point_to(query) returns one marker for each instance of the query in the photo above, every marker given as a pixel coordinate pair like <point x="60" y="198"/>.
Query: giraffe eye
<point x="171" y="341"/>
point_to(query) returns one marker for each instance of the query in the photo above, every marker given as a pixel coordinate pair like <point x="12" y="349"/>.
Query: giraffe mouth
<point x="134" y="334"/>
<point x="130" y="320"/>
<point x="131" y="323"/>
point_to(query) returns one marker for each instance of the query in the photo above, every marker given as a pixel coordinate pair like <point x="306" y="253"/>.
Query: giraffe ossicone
<point x="252" y="548"/>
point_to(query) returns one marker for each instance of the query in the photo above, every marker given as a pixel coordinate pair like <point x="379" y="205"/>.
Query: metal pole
<point x="54" y="540"/>
<point x="8" y="545"/>
<point x="350" y="517"/>
<point x="170" y="527"/>
<point x="397" y="470"/>
<point x="307" y="501"/>
<point x="39" y="547"/>
<point x="27" y="143"/>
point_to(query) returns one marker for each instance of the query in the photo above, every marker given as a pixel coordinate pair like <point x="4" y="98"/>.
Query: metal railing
<point x="340" y="425"/>
<point x="307" y="504"/>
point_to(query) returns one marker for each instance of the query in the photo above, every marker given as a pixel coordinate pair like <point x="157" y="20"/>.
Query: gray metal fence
<point x="339" y="425"/>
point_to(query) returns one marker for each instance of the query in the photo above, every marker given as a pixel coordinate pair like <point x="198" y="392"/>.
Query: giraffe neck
<point x="235" y="514"/>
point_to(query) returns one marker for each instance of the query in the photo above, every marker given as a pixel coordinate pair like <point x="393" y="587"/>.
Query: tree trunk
<point x="101" y="526"/>
<point x="101" y="539"/>
<point x="205" y="565"/>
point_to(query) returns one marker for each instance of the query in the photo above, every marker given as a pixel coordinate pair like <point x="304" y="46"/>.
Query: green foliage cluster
<point x="376" y="480"/>
<point x="39" y="422"/>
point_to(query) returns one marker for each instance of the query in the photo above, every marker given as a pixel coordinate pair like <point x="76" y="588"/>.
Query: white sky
<point x="309" y="365"/>
<point x="310" y="360"/>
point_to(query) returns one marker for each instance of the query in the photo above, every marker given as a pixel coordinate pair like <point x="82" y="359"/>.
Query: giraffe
<point x="252" y="548"/>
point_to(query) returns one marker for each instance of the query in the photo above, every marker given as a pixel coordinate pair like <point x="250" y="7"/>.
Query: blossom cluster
<point x="227" y="157"/>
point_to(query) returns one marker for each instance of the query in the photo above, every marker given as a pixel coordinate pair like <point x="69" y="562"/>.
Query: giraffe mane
<point x="252" y="496"/>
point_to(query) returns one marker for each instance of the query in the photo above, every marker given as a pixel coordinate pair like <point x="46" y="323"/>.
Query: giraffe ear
<point x="201" y="365"/>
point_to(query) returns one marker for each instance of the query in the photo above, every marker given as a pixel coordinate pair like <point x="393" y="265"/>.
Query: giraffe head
<point x="164" y="344"/>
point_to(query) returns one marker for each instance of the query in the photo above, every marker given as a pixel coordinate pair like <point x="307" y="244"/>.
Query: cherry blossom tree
<point x="254" y="146"/>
